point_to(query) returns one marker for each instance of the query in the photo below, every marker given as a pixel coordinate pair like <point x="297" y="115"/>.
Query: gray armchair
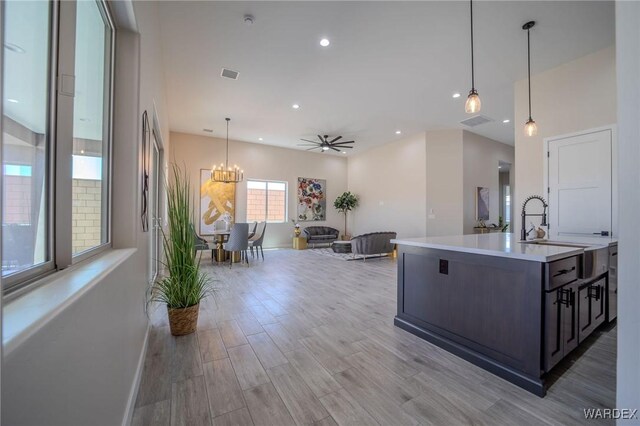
<point x="372" y="243"/>
<point x="320" y="235"/>
<point x="200" y="243"/>
<point x="238" y="241"/>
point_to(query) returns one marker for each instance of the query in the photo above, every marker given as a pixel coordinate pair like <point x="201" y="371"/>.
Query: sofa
<point x="373" y="243"/>
<point x="320" y="235"/>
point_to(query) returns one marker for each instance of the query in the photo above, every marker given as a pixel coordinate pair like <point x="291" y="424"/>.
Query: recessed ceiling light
<point x="499" y="167"/>
<point x="456" y="95"/>
<point x="13" y="101"/>
<point x="259" y="139"/>
<point x="398" y="132"/>
<point x="14" y="48"/>
<point x="506" y="120"/>
<point x="325" y="42"/>
<point x="295" y="106"/>
<point x="344" y="152"/>
<point x="82" y="151"/>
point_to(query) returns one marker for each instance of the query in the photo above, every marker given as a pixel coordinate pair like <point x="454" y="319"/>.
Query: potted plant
<point x="344" y="204"/>
<point x="183" y="285"/>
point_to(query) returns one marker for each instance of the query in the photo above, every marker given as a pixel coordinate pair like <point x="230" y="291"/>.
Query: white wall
<point x="444" y="176"/>
<point x="390" y="182"/>
<point x="628" y="70"/>
<point x="81" y="367"/>
<point x="481" y="158"/>
<point x="267" y="163"/>
<point x="575" y="96"/>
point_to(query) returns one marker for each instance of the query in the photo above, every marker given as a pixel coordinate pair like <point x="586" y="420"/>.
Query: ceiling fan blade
<point x="315" y="147"/>
<point x="343" y="147"/>
<point x="342" y="143"/>
<point x="335" y="149"/>
<point x="321" y="140"/>
<point x="335" y="139"/>
<point x="307" y="140"/>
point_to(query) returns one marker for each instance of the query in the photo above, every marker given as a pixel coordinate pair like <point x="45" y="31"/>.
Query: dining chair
<point x="257" y="242"/>
<point x="252" y="232"/>
<point x="238" y="241"/>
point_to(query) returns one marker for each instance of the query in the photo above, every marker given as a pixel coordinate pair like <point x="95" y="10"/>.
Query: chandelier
<point x="225" y="173"/>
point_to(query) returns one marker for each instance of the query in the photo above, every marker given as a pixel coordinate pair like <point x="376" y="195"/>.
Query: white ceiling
<point x="390" y="65"/>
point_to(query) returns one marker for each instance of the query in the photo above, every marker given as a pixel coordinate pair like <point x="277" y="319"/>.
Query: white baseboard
<point x="131" y="403"/>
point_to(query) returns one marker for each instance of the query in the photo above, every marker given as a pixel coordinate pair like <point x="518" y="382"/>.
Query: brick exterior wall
<point x="256" y="200"/>
<point x="86" y="214"/>
<point x="17" y="200"/>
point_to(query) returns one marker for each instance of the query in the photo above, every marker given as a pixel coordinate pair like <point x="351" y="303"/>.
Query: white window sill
<point x="24" y="316"/>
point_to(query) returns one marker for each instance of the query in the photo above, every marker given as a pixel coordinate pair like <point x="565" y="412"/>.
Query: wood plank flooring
<point x="306" y="339"/>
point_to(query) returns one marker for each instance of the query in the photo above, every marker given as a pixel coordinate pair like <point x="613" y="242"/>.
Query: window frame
<point x="266" y="205"/>
<point x="59" y="143"/>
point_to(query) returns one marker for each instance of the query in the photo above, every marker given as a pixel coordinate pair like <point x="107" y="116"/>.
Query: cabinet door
<point x="570" y="319"/>
<point x="554" y="305"/>
<point x="598" y="300"/>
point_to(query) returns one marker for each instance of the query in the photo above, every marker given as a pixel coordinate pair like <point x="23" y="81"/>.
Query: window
<point x="266" y="201"/>
<point x="42" y="232"/>
<point x="25" y="137"/>
<point x="90" y="127"/>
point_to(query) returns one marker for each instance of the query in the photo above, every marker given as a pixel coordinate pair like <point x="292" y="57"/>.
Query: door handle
<point x="602" y="233"/>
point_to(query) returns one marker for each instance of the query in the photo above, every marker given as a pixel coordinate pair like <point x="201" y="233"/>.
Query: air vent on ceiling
<point x="227" y="73"/>
<point x="476" y="121"/>
<point x="208" y="130"/>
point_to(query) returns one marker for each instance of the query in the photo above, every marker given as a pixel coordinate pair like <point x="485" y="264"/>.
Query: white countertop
<point x="503" y="245"/>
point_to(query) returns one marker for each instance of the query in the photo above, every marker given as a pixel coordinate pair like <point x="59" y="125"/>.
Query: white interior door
<point x="580" y="185"/>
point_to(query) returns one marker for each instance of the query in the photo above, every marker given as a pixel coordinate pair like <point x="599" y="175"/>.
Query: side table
<point x="299" y="243"/>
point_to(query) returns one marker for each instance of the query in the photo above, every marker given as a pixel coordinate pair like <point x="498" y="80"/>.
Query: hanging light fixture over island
<point x="530" y="127"/>
<point x="225" y="173"/>
<point x="473" y="104"/>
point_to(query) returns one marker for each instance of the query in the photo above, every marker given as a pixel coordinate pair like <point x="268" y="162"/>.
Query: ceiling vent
<point x="227" y="73"/>
<point x="476" y="121"/>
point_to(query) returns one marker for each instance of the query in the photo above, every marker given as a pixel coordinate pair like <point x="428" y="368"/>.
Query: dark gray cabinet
<point x="612" y="284"/>
<point x="592" y="307"/>
<point x="561" y="323"/>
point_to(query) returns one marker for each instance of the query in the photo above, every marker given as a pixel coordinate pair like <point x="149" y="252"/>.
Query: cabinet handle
<point x="561" y="299"/>
<point x="564" y="271"/>
<point x="593" y="292"/>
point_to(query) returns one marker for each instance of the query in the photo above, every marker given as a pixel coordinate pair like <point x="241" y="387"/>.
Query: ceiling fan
<point x="325" y="144"/>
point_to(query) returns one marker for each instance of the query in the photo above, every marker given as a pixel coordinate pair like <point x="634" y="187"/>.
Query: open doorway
<point x="505" y="195"/>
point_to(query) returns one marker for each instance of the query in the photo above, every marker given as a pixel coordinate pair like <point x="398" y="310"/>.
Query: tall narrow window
<point x="91" y="127"/>
<point x="266" y="201"/>
<point x="25" y="138"/>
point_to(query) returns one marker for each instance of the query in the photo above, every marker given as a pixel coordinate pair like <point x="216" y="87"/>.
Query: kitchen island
<point x="513" y="308"/>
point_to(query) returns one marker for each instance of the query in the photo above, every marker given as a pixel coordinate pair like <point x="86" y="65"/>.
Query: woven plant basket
<point x="183" y="320"/>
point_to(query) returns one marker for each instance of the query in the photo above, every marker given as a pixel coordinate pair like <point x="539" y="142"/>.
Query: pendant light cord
<point x="473" y="85"/>
<point x="227" y="164"/>
<point x="529" y="69"/>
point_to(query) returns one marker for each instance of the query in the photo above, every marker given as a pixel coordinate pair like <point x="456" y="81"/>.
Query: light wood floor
<point x="306" y="339"/>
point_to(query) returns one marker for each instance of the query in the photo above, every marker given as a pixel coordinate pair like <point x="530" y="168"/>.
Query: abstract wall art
<point x="312" y="199"/>
<point x="482" y="203"/>
<point x="216" y="199"/>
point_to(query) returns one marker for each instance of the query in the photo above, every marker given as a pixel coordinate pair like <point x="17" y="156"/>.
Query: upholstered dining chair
<point x="238" y="241"/>
<point x="252" y="232"/>
<point x="200" y="243"/>
<point x="257" y="242"/>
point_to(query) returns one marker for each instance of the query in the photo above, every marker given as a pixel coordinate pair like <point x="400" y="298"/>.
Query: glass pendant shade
<point x="530" y="128"/>
<point x="473" y="103"/>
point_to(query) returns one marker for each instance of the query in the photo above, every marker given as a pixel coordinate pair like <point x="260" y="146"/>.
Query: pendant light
<point x="530" y="127"/>
<point x="473" y="100"/>
<point x="225" y="173"/>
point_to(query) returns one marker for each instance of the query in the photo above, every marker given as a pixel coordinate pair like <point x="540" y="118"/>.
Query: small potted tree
<point x="183" y="285"/>
<point x="344" y="204"/>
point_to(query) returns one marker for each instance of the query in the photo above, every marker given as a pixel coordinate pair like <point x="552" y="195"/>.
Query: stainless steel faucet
<point x="523" y="230"/>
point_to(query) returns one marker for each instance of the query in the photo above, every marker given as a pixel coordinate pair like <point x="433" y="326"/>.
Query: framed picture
<point x="482" y="203"/>
<point x="216" y="199"/>
<point x="312" y="202"/>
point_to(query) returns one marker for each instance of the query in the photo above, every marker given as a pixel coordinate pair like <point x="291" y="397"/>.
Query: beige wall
<point x="575" y="96"/>
<point x="265" y="163"/>
<point x="444" y="182"/>
<point x="481" y="158"/>
<point x="390" y="182"/>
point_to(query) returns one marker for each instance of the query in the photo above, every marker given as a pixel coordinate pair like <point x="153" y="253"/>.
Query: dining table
<point x="219" y="238"/>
